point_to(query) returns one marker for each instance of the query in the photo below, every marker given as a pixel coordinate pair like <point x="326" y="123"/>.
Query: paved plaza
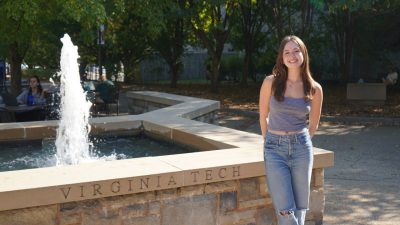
<point x="363" y="186"/>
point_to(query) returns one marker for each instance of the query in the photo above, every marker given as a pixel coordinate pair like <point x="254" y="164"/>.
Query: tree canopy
<point x="339" y="34"/>
<point x="32" y="32"/>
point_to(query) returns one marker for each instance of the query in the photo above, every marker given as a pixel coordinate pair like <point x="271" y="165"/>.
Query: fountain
<point x="73" y="146"/>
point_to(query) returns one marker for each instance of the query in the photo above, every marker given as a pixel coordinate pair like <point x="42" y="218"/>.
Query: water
<point x="73" y="146"/>
<point x="42" y="153"/>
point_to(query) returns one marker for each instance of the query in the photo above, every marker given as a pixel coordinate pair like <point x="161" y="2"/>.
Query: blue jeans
<point x="288" y="163"/>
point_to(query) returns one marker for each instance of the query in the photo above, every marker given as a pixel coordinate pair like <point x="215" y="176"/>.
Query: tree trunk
<point x="214" y="54"/>
<point x="253" y="18"/>
<point x="344" y="39"/>
<point x="246" y="13"/>
<point x="246" y="66"/>
<point x="220" y="30"/>
<point x="177" y="50"/>
<point x="16" y="74"/>
<point x="306" y="19"/>
<point x="220" y="39"/>
<point x="215" y="64"/>
<point x="174" y="69"/>
<point x="130" y="72"/>
<point x="277" y="13"/>
<point x="348" y="46"/>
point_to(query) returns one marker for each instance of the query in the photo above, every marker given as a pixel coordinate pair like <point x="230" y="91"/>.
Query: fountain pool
<point x="42" y="153"/>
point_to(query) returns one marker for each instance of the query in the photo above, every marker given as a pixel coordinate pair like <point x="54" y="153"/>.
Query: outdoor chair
<point x="107" y="105"/>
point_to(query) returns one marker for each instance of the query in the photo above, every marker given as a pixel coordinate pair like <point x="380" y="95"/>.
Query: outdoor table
<point x="8" y="113"/>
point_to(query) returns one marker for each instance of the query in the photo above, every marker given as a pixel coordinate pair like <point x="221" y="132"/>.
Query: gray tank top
<point x="288" y="115"/>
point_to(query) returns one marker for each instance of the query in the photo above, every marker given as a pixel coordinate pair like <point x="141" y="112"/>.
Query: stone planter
<point x="366" y="93"/>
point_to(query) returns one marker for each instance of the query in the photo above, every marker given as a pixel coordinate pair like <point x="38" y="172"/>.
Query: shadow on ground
<point x="363" y="186"/>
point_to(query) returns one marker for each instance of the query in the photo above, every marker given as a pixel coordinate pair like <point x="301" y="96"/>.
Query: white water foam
<point x="73" y="146"/>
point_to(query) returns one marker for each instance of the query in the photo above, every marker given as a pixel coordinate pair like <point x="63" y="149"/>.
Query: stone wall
<point x="139" y="106"/>
<point x="366" y="93"/>
<point x="235" y="202"/>
<point x="208" y="118"/>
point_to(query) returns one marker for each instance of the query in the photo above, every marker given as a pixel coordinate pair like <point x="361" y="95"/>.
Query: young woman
<point x="34" y="95"/>
<point x="290" y="108"/>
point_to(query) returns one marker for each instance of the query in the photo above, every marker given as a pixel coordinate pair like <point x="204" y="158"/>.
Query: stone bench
<point x="366" y="93"/>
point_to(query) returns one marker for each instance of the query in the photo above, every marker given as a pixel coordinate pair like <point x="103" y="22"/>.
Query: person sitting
<point x="391" y="78"/>
<point x="104" y="90"/>
<point x="34" y="95"/>
<point x="105" y="95"/>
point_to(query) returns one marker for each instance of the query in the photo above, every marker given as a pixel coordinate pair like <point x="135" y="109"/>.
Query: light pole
<point x="100" y="42"/>
<point x="3" y="73"/>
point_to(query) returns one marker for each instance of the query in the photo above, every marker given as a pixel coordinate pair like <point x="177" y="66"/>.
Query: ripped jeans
<point x="288" y="163"/>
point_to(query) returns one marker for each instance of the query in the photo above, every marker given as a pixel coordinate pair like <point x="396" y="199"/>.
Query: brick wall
<point x="235" y="202"/>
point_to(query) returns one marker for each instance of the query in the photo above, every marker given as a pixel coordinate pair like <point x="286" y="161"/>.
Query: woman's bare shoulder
<point x="317" y="86"/>
<point x="269" y="79"/>
<point x="266" y="87"/>
<point x="317" y="89"/>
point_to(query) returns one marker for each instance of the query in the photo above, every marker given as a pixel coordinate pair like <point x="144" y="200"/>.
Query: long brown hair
<point x="280" y="71"/>
<point x="39" y="87"/>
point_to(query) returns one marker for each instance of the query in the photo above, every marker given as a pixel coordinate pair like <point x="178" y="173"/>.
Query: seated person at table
<point x="34" y="95"/>
<point x="391" y="78"/>
<point x="104" y="90"/>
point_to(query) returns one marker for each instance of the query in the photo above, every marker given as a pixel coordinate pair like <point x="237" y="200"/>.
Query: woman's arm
<point x="315" y="113"/>
<point x="40" y="99"/>
<point x="22" y="98"/>
<point x="263" y="106"/>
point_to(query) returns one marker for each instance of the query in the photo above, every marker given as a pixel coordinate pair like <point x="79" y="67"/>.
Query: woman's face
<point x="292" y="55"/>
<point x="33" y="83"/>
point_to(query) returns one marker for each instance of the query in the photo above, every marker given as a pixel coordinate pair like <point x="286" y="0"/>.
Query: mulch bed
<point x="246" y="97"/>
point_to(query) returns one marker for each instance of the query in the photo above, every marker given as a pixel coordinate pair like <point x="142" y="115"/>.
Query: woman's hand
<point x="45" y="92"/>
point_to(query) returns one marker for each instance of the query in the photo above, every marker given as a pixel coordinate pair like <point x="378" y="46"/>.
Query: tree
<point x="344" y="16"/>
<point x="27" y="23"/>
<point x="130" y="30"/>
<point x="172" y="37"/>
<point x="16" y="19"/>
<point x="211" y="24"/>
<point x="293" y="17"/>
<point x="249" y="21"/>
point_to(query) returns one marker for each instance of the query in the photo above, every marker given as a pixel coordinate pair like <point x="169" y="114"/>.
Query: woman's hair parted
<point x="280" y="71"/>
<point x="39" y="87"/>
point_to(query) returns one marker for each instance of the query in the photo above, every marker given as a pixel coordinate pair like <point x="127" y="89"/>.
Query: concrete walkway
<point x="364" y="185"/>
<point x="363" y="188"/>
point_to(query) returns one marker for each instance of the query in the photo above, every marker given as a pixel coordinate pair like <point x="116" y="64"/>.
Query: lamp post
<point x="2" y="73"/>
<point x="100" y="42"/>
